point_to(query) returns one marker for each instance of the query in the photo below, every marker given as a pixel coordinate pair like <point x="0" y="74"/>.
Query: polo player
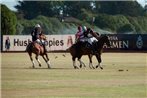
<point x="85" y="35"/>
<point x="36" y="36"/>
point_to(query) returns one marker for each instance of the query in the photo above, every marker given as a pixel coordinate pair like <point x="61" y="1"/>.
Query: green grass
<point x="19" y="80"/>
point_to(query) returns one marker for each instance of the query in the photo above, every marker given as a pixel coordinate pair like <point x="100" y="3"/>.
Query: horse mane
<point x="101" y="42"/>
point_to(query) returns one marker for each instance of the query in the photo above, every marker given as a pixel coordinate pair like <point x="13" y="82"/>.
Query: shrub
<point x="126" y="28"/>
<point x="111" y="22"/>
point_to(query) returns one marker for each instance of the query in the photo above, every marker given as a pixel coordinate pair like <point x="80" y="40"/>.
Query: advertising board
<point x="119" y="42"/>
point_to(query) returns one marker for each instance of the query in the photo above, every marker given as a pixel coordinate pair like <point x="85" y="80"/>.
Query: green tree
<point x="126" y="28"/>
<point x="111" y="22"/>
<point x="74" y="8"/>
<point x="32" y="9"/>
<point x="9" y="21"/>
<point x="130" y="8"/>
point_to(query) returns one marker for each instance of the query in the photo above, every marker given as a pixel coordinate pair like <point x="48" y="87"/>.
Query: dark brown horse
<point x="36" y="48"/>
<point x="77" y="51"/>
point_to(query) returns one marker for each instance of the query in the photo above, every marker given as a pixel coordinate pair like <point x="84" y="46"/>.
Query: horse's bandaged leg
<point x="80" y="61"/>
<point x="33" y="63"/>
<point x="48" y="63"/>
<point x="91" y="66"/>
<point x="74" y="64"/>
<point x="38" y="61"/>
<point x="100" y="66"/>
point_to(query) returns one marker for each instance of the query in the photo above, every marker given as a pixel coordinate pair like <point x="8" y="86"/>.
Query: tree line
<point x="116" y="16"/>
<point x="31" y="9"/>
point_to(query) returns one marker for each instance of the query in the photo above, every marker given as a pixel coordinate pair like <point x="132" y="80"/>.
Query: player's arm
<point x="95" y="34"/>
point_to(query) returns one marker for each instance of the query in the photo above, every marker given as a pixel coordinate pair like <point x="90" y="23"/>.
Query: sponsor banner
<point x="62" y="42"/>
<point x="59" y="42"/>
<point x="54" y="42"/>
<point x="127" y="42"/>
<point x="15" y="42"/>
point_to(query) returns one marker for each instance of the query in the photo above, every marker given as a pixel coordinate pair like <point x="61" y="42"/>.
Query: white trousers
<point x="90" y="40"/>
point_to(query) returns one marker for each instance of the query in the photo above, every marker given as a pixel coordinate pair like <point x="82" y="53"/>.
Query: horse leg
<point x="30" y="54"/>
<point x="99" y="61"/>
<point x="47" y="60"/>
<point x="81" y="63"/>
<point x="74" y="63"/>
<point x="90" y="62"/>
<point x="38" y="60"/>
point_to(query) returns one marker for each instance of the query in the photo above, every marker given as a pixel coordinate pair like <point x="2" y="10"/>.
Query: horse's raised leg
<point x="38" y="60"/>
<point x="90" y="62"/>
<point x="30" y="54"/>
<point x="74" y="63"/>
<point x="47" y="60"/>
<point x="98" y="56"/>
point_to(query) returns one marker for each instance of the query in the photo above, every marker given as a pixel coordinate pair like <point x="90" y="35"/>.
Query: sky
<point x="11" y="3"/>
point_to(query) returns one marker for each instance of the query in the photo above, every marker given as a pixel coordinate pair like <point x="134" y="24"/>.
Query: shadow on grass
<point x="36" y="68"/>
<point x="49" y="69"/>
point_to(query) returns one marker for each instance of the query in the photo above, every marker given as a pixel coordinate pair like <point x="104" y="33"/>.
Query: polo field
<point x="124" y="76"/>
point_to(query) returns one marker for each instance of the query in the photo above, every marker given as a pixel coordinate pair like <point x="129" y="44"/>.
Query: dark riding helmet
<point x="79" y="28"/>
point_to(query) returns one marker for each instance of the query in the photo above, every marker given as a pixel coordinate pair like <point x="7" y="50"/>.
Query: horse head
<point x="103" y="39"/>
<point x="106" y="40"/>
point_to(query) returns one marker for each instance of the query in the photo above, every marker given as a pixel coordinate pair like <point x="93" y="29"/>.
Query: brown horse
<point x="36" y="48"/>
<point x="77" y="51"/>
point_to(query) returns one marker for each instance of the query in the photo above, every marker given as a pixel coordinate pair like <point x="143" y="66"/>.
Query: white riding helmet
<point x="84" y="28"/>
<point x="37" y="25"/>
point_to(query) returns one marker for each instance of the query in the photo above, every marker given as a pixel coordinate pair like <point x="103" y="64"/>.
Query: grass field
<point x="19" y="80"/>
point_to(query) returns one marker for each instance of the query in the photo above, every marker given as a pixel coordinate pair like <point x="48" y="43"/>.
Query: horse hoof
<point x="90" y="67"/>
<point x="97" y="66"/>
<point x="80" y="66"/>
<point x="101" y="68"/>
<point x="49" y="67"/>
<point x="39" y="65"/>
<point x="33" y="66"/>
<point x="75" y="67"/>
<point x="93" y="67"/>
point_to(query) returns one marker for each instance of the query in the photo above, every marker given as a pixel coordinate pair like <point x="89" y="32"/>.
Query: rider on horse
<point x="79" y="35"/>
<point x="36" y="36"/>
<point x="85" y="35"/>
